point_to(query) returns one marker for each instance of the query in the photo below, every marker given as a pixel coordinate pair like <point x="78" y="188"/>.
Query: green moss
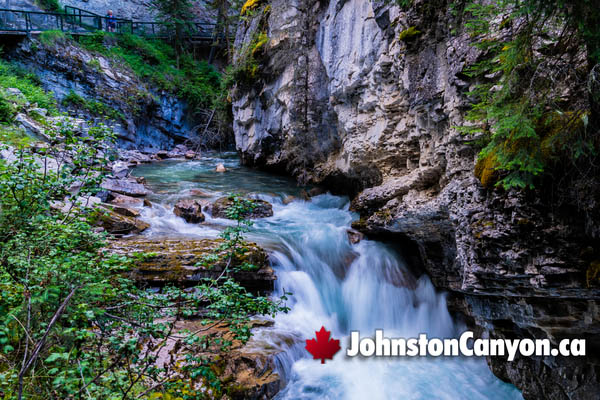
<point x="155" y="61"/>
<point x="486" y="170"/>
<point x="409" y="33"/>
<point x="592" y="274"/>
<point x="94" y="107"/>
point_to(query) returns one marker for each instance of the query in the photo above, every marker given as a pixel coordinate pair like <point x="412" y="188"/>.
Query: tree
<point x="176" y="15"/>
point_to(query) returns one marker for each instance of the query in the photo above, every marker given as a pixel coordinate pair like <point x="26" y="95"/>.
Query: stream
<point x="335" y="284"/>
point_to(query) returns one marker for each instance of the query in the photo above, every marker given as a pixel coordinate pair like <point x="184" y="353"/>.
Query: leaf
<point x="323" y="347"/>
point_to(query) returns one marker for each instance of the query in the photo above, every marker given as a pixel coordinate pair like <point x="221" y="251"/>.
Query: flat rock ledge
<point x="174" y="261"/>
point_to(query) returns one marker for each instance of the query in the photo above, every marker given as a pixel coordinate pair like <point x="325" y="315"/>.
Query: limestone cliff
<point x="349" y="96"/>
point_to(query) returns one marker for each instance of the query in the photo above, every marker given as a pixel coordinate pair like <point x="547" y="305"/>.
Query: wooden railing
<point x="79" y="21"/>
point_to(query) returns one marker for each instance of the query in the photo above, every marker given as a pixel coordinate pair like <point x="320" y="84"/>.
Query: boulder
<point x="178" y="261"/>
<point x="125" y="187"/>
<point x="190" y="155"/>
<point x="118" y="224"/>
<point x="190" y="210"/>
<point x="121" y="199"/>
<point x="288" y="199"/>
<point x="120" y="170"/>
<point x="220" y="168"/>
<point x="162" y="154"/>
<point x="262" y="209"/>
<point x="355" y="236"/>
<point x="122" y="210"/>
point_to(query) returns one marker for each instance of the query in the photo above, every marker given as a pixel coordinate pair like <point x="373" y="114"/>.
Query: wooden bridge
<point x="78" y="22"/>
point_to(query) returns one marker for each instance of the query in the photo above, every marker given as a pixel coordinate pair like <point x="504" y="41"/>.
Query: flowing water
<point x="335" y="284"/>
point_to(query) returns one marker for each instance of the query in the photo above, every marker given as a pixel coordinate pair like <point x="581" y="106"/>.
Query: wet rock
<point x="200" y="193"/>
<point x="262" y="209"/>
<point x="316" y="191"/>
<point x="162" y="154"/>
<point x="220" y="168"/>
<point x="121" y="199"/>
<point x="176" y="261"/>
<point x="120" y="170"/>
<point x="190" y="210"/>
<point x="134" y="157"/>
<point x="190" y="155"/>
<point x="125" y="187"/>
<point x="122" y="210"/>
<point x="147" y="203"/>
<point x="288" y="199"/>
<point x="355" y="236"/>
<point x="118" y="224"/>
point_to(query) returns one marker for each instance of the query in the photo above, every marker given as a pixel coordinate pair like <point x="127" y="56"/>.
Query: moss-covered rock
<point x="262" y="209"/>
<point x="179" y="261"/>
<point x="116" y="223"/>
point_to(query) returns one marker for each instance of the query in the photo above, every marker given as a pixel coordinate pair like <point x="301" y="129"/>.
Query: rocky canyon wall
<point x="364" y="97"/>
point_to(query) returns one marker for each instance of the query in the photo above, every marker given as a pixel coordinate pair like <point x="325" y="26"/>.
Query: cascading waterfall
<point x="335" y="284"/>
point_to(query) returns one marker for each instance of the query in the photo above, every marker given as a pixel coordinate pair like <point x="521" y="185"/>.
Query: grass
<point x="94" y="107"/>
<point x="155" y="61"/>
<point x="50" y="38"/>
<point x="11" y="76"/>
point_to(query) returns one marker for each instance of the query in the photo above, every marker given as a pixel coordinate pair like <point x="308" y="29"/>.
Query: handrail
<point x="75" y="19"/>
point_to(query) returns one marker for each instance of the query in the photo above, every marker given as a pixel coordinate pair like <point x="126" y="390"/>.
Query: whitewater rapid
<point x="342" y="286"/>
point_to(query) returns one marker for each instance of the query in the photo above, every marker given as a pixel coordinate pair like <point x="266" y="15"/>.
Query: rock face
<point x="174" y="261"/>
<point x="151" y="120"/>
<point x="262" y="209"/>
<point x="189" y="210"/>
<point x="342" y="101"/>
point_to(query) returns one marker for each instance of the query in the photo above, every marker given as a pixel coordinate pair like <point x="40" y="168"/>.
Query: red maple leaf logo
<point x="323" y="347"/>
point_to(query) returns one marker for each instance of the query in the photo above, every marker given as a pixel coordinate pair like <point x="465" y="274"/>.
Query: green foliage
<point x="7" y="110"/>
<point x="94" y="107"/>
<point x="49" y="5"/>
<point x="156" y="61"/>
<point x="515" y="102"/>
<point x="72" y="325"/>
<point x="13" y="77"/>
<point x="50" y="38"/>
<point x="408" y="33"/>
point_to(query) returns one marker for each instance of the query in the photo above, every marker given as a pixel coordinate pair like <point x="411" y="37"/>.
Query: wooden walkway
<point x="79" y="22"/>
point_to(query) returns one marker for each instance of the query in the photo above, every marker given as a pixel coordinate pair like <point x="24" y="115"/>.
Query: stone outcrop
<point x="117" y="223"/>
<point x="178" y="261"/>
<point x="151" y="119"/>
<point x="345" y="100"/>
<point x="190" y="211"/>
<point x="261" y="208"/>
<point x="127" y="187"/>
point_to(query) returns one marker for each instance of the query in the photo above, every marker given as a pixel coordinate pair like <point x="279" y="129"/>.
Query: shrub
<point x="7" y="111"/>
<point x="13" y="77"/>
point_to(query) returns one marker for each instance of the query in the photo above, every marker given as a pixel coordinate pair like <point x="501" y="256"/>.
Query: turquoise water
<point x="335" y="284"/>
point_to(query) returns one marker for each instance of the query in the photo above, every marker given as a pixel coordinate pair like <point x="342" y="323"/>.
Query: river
<point x="334" y="283"/>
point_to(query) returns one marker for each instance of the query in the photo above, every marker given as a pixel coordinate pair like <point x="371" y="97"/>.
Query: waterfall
<point x="336" y="284"/>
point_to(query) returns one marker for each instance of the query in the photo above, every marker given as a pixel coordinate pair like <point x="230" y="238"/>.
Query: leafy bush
<point x="71" y="322"/>
<point x="7" y="111"/>
<point x="13" y="77"/>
